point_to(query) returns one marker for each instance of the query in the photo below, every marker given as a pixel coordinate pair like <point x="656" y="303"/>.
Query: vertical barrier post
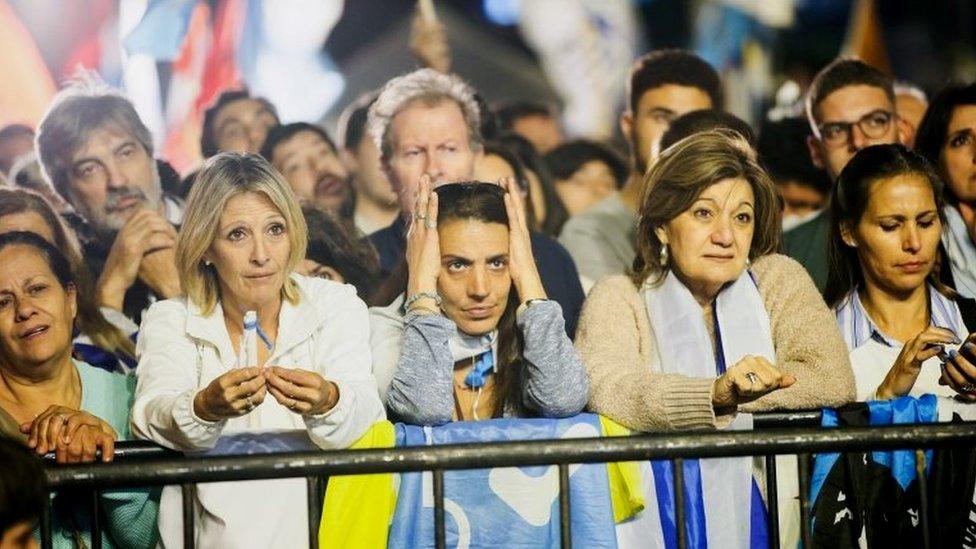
<point x="803" y="474"/>
<point x="189" y="537"/>
<point x="440" y="528"/>
<point x="678" y="474"/>
<point x="772" y="502"/>
<point x="565" y="524"/>
<point x="313" y="494"/>
<point x="47" y="541"/>
<point x="96" y="525"/>
<point x="923" y="495"/>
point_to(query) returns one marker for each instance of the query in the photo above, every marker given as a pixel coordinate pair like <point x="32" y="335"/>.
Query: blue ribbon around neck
<point x="483" y="367"/>
<point x="257" y="327"/>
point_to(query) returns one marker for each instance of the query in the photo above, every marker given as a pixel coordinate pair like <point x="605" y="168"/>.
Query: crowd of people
<point x="510" y="272"/>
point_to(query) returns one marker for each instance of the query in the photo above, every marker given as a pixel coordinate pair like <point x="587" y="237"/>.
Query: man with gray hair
<point x="99" y="156"/>
<point x="428" y="123"/>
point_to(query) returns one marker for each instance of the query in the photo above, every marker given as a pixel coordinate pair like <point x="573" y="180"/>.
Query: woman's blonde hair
<point x="679" y="176"/>
<point x="223" y="177"/>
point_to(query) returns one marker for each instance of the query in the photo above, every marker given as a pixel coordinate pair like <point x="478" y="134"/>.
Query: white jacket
<point x="181" y="351"/>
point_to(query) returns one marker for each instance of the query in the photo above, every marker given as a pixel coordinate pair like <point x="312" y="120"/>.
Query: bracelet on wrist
<point x="408" y="303"/>
<point x="423" y="310"/>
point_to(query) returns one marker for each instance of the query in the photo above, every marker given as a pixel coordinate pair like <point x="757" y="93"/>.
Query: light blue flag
<point x="162" y="29"/>
<point x="504" y="507"/>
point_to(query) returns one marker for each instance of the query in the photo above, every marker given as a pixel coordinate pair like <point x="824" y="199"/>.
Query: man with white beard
<point x="99" y="156"/>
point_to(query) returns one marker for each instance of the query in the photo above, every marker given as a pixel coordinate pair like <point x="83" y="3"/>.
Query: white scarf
<point x="462" y="345"/>
<point x="685" y="347"/>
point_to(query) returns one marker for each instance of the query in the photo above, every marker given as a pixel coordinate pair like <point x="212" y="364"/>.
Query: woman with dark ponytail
<point x="900" y="322"/>
<point x="472" y="334"/>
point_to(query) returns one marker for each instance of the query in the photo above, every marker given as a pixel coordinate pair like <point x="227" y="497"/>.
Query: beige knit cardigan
<point x="626" y="384"/>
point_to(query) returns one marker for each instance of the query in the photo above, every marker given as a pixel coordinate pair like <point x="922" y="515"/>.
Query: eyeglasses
<point x="873" y="125"/>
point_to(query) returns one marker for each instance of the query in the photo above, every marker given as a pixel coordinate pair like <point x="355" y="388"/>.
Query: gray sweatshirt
<point x="414" y="366"/>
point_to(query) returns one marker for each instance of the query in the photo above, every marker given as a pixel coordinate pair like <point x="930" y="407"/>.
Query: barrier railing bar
<point x="508" y="454"/>
<point x="47" y="541"/>
<point x="782" y="420"/>
<point x="313" y="495"/>
<point x="440" y="527"/>
<point x="772" y="502"/>
<point x="126" y="450"/>
<point x="187" y="493"/>
<point x="96" y="525"/>
<point x="923" y="496"/>
<point x="803" y="472"/>
<point x="565" y="523"/>
<point x="678" y="476"/>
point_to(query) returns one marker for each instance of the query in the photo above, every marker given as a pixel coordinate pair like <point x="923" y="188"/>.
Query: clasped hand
<point x="238" y="392"/>
<point x="74" y="436"/>
<point x="959" y="370"/>
<point x="143" y="249"/>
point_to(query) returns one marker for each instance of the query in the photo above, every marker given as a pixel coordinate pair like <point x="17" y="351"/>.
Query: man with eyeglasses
<point x="850" y="105"/>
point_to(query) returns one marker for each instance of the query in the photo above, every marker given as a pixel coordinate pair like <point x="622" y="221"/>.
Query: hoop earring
<point x="663" y="258"/>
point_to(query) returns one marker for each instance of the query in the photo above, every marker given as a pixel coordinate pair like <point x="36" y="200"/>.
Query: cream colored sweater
<point x="626" y="385"/>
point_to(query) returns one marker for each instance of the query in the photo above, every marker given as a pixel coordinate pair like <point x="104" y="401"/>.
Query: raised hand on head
<point x="423" y="249"/>
<point x="521" y="261"/>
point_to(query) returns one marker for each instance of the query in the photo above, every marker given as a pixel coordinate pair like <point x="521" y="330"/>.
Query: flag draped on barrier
<point x="612" y="505"/>
<point x="874" y="499"/>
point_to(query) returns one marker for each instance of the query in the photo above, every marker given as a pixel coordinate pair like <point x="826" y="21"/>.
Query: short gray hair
<point x="430" y="87"/>
<point x="85" y="105"/>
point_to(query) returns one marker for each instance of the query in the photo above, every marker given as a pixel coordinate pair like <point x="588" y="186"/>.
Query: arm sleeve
<point x="622" y="385"/>
<point x="163" y="407"/>
<point x="132" y="516"/>
<point x="593" y="258"/>
<point x="555" y="384"/>
<point x="422" y="389"/>
<point x="807" y="341"/>
<point x="348" y="365"/>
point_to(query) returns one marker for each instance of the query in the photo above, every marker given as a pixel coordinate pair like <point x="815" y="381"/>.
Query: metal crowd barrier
<point x="143" y="464"/>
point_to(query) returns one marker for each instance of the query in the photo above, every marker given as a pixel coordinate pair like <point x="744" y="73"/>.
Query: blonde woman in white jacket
<point x="200" y="381"/>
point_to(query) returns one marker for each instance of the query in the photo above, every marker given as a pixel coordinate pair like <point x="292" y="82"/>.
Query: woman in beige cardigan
<point x="712" y="322"/>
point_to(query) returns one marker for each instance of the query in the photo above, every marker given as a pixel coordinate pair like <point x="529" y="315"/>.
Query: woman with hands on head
<point x="472" y="335"/>
<point x="199" y="380"/>
<point x="711" y="322"/>
<point x="61" y="405"/>
<point x="900" y="322"/>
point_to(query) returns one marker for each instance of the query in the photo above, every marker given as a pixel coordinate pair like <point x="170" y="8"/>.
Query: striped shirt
<point x="857" y="327"/>
<point x="873" y="352"/>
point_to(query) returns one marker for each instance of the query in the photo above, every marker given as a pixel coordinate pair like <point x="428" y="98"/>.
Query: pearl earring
<point x="663" y="259"/>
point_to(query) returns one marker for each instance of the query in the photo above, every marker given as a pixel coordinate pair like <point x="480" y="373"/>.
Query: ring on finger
<point x="968" y="388"/>
<point x="429" y="223"/>
<point x="250" y="405"/>
<point x="752" y="377"/>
